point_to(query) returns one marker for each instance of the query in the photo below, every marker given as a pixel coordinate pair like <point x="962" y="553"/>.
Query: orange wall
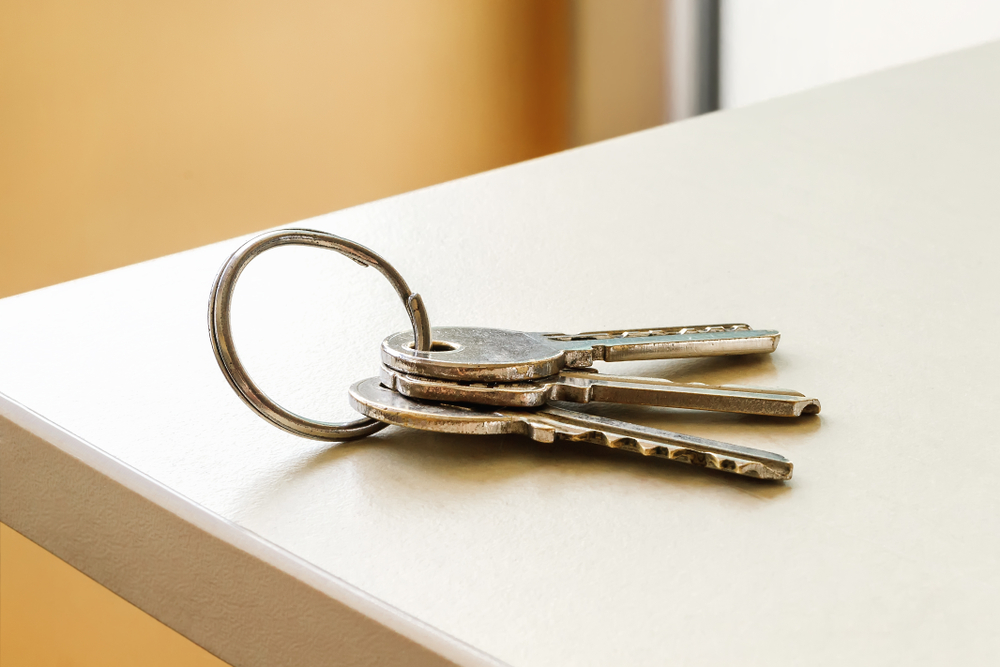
<point x="52" y="615"/>
<point x="130" y="130"/>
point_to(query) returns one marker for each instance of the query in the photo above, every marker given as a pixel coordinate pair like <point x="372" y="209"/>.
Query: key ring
<point x="219" y="325"/>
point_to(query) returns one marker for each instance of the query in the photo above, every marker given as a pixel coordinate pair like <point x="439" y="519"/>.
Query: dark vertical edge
<point x="709" y="44"/>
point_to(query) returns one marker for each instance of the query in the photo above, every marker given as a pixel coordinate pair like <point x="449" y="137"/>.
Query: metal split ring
<point x="219" y="325"/>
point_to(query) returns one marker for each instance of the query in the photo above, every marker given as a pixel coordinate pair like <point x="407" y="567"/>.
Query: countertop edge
<point x="212" y="581"/>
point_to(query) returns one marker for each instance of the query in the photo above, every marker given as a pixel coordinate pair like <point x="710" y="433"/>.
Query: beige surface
<point x="859" y="219"/>
<point x="129" y="131"/>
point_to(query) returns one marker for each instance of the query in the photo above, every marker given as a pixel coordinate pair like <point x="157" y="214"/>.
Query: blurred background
<point x="133" y="130"/>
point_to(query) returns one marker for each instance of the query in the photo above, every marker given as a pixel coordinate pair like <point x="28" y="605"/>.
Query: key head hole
<point x="438" y="346"/>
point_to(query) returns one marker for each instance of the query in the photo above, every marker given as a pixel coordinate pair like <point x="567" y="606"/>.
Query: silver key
<point x="549" y="424"/>
<point x="589" y="386"/>
<point x="475" y="354"/>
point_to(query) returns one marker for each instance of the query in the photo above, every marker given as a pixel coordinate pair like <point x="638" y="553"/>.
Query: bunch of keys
<point x="475" y="380"/>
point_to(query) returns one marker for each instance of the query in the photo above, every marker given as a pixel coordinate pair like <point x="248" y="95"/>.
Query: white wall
<point x="775" y="47"/>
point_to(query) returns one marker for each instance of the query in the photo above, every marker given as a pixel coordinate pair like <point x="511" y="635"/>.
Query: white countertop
<point x="862" y="220"/>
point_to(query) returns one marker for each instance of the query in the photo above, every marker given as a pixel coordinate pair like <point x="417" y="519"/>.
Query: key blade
<point x="587" y="387"/>
<point x="708" y="340"/>
<point x="549" y="424"/>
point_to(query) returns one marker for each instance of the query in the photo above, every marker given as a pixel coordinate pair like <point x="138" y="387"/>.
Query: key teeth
<point x="541" y="433"/>
<point x="680" y="454"/>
